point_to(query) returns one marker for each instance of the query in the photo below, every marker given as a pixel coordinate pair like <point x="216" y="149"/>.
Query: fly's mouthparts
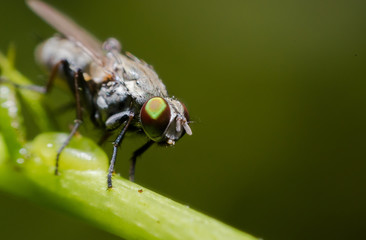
<point x="171" y="142"/>
<point x="187" y="128"/>
<point x="182" y="121"/>
<point x="178" y="127"/>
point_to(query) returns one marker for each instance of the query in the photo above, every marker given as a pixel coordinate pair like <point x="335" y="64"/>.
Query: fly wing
<point x="70" y="29"/>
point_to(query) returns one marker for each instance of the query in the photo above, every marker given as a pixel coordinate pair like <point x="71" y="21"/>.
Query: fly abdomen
<point x="55" y="49"/>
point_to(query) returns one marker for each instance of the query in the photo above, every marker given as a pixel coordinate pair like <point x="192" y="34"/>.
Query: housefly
<point x="121" y="92"/>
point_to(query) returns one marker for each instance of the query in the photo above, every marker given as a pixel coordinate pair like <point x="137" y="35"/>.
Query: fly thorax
<point x="97" y="73"/>
<point x="113" y="97"/>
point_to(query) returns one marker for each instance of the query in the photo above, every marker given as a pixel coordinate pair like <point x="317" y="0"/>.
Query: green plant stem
<point x="128" y="210"/>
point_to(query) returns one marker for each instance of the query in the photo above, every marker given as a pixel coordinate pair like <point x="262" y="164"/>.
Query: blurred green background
<point x="277" y="92"/>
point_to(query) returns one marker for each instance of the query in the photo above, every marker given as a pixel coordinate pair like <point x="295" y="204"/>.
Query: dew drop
<point x="23" y="151"/>
<point x="37" y="159"/>
<point x="20" y="160"/>
<point x="15" y="125"/>
<point x="4" y="91"/>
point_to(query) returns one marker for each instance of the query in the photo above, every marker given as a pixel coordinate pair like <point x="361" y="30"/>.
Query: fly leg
<point x="134" y="157"/>
<point x="74" y="78"/>
<point x="78" y="77"/>
<point x="16" y="85"/>
<point x="42" y="89"/>
<point x="113" y="123"/>
<point x="116" y="144"/>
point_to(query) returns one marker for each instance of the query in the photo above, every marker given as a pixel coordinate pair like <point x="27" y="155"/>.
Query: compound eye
<point x="155" y="117"/>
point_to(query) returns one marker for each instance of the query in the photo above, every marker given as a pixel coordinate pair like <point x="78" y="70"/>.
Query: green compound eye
<point x="155" y="106"/>
<point x="155" y="117"/>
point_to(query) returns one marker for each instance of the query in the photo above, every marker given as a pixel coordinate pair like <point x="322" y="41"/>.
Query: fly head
<point x="164" y="120"/>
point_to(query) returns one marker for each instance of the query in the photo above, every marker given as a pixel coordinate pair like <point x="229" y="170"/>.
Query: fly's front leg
<point x="134" y="157"/>
<point x="78" y="77"/>
<point x="116" y="144"/>
<point x="113" y="123"/>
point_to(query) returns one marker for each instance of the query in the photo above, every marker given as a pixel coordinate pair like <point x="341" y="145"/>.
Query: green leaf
<point x="33" y="98"/>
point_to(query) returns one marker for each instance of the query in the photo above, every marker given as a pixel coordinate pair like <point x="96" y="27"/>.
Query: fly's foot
<point x="109" y="181"/>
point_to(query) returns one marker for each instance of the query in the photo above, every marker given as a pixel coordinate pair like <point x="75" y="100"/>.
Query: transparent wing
<point x="70" y="29"/>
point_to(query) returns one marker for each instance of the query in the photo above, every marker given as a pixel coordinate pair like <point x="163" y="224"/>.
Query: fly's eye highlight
<point x="155" y="117"/>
